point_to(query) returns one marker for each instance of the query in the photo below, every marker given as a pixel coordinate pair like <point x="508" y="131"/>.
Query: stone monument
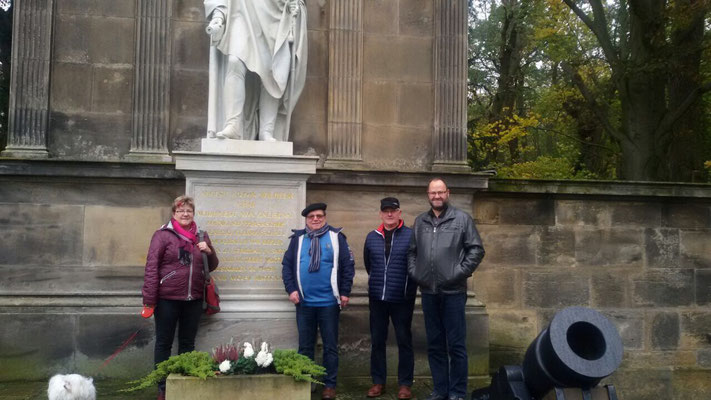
<point x="257" y="70"/>
<point x="250" y="186"/>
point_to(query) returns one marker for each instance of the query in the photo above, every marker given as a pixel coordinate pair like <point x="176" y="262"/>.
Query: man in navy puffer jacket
<point x="391" y="297"/>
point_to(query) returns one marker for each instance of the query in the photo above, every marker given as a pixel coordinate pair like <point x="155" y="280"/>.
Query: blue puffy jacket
<point x="388" y="279"/>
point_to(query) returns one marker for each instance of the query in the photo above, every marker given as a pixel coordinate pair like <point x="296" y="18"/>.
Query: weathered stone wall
<point x="106" y="99"/>
<point x="76" y="237"/>
<point x="636" y="253"/>
<point x="639" y="253"/>
<point x="91" y="79"/>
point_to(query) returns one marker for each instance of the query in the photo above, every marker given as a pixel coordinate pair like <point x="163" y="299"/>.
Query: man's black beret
<point x="313" y="207"/>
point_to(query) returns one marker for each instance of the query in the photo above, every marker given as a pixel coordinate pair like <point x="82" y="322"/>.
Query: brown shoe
<point x="328" y="393"/>
<point x="404" y="392"/>
<point x="376" y="390"/>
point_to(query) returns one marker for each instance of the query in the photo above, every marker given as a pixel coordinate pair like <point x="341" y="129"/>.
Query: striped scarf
<point x="315" y="249"/>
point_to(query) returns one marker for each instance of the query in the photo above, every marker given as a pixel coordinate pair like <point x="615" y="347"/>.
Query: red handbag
<point x="210" y="294"/>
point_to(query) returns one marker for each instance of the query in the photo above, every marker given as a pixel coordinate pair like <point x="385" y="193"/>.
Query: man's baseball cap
<point x="389" y="202"/>
<point x="313" y="207"/>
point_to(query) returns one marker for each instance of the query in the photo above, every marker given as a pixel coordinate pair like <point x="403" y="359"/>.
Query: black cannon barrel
<point x="577" y="349"/>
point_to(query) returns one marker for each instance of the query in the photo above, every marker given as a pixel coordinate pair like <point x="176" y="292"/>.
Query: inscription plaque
<point x="249" y="225"/>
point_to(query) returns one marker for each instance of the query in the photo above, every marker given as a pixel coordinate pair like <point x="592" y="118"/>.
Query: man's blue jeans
<point x="381" y="313"/>
<point x="446" y="328"/>
<point x="308" y="319"/>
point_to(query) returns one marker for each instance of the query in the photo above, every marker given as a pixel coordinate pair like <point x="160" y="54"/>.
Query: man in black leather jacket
<point x="444" y="252"/>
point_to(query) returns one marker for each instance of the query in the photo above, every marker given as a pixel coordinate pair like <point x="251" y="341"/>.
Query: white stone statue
<point x="258" y="58"/>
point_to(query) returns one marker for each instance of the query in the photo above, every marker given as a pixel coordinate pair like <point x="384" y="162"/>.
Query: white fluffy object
<point x="248" y="350"/>
<point x="264" y="357"/>
<point x="71" y="387"/>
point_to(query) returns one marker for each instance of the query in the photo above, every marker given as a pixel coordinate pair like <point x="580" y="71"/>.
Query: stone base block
<point x="242" y="387"/>
<point x="247" y="147"/>
<point x="24" y="153"/>
<point x="148" y="157"/>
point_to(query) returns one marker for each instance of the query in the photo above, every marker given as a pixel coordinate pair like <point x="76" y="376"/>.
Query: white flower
<point x="225" y="366"/>
<point x="248" y="350"/>
<point x="264" y="358"/>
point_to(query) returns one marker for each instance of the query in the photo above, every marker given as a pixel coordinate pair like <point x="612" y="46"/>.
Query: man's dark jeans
<point x="381" y="312"/>
<point x="446" y="327"/>
<point x="169" y="314"/>
<point x="308" y="319"/>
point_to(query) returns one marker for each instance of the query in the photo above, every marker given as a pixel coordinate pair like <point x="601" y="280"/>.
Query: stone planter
<point x="267" y="386"/>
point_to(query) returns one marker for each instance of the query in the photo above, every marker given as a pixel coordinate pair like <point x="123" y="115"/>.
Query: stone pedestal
<point x="246" y="147"/>
<point x="248" y="205"/>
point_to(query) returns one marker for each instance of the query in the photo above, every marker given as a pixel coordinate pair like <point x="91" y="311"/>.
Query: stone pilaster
<point x="29" y="79"/>
<point x="345" y="113"/>
<point x="151" y="95"/>
<point x="449" y="142"/>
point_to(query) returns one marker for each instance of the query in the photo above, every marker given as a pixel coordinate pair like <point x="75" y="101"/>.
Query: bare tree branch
<point x="577" y="139"/>
<point x="592" y="102"/>
<point x="664" y="129"/>
<point x="598" y="26"/>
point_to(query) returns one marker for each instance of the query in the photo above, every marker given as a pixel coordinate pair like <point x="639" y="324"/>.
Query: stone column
<point x="449" y="142"/>
<point x="151" y="94"/>
<point x="345" y="113"/>
<point x="29" y="79"/>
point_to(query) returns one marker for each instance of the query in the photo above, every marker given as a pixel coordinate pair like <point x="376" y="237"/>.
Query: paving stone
<point x="556" y="247"/>
<point x="662" y="247"/>
<point x="112" y="90"/>
<point x="582" y="213"/>
<point x="509" y="245"/>
<point x="41" y="234"/>
<point x="622" y="247"/>
<point x="663" y="288"/>
<point x="416" y="17"/>
<point x="696" y="329"/>
<point x="647" y="214"/>
<point x="686" y="215"/>
<point x="380" y="17"/>
<point x="665" y="330"/>
<point x="609" y="288"/>
<point x="630" y="326"/>
<point x="703" y="287"/>
<point x="695" y="248"/>
<point x="556" y="289"/>
<point x="71" y="87"/>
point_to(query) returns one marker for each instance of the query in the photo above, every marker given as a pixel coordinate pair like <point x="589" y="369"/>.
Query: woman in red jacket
<point x="173" y="282"/>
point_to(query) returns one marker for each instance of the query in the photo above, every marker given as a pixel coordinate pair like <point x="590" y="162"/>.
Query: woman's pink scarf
<point x="190" y="235"/>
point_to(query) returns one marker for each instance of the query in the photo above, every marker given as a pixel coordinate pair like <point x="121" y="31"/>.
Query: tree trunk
<point x="645" y="85"/>
<point x="685" y="152"/>
<point x="510" y="53"/>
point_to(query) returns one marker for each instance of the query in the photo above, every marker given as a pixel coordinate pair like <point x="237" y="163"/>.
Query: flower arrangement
<point x="230" y="359"/>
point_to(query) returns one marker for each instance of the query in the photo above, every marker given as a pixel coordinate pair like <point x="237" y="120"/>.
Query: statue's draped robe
<point x="257" y="32"/>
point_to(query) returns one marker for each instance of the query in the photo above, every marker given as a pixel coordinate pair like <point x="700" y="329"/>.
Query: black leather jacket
<point x="441" y="257"/>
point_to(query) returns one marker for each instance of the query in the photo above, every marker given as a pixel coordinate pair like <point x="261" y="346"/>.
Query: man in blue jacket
<point x="318" y="270"/>
<point x="391" y="297"/>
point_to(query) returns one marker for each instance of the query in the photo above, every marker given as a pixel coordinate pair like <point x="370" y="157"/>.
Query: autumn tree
<point x="653" y="51"/>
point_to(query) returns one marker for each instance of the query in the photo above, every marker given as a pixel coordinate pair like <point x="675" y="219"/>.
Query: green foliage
<point x="245" y="366"/>
<point x="549" y="131"/>
<point x="544" y="167"/>
<point x="195" y="363"/>
<point x="302" y="368"/>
